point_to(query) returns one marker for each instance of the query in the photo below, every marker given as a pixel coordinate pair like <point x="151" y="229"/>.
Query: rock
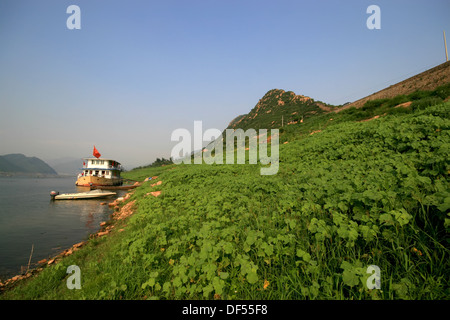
<point x="78" y="245"/>
<point x="15" y="278"/>
<point x="102" y="223"/>
<point x="404" y="105"/>
<point x="103" y="203"/>
<point x="103" y="233"/>
<point x="42" y="261"/>
<point x="126" y="210"/>
<point x="155" y="193"/>
<point x="51" y="261"/>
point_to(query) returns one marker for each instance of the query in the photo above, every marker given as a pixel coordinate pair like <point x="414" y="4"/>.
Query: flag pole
<point x="445" y="45"/>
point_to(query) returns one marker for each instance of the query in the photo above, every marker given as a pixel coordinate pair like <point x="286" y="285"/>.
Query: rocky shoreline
<point x="122" y="209"/>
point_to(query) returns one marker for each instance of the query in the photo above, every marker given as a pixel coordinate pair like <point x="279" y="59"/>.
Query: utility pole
<point x="445" y="45"/>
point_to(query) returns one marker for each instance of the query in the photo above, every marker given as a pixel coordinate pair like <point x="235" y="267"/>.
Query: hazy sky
<point x="137" y="70"/>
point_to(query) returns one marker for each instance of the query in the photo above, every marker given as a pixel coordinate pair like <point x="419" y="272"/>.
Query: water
<point x="28" y="217"/>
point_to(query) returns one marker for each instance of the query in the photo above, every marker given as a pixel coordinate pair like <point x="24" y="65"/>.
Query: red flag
<point x="96" y="153"/>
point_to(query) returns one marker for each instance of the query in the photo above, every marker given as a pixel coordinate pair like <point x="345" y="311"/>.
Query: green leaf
<point x="304" y="255"/>
<point x="445" y="206"/>
<point x="167" y="286"/>
<point x="218" y="285"/>
<point x="350" y="278"/>
<point x="386" y="219"/>
<point x="401" y="216"/>
<point x="353" y="273"/>
<point x="148" y="283"/>
<point x="252" y="276"/>
<point x="207" y="290"/>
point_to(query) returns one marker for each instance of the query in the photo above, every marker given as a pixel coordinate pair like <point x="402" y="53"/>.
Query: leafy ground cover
<point x="349" y="196"/>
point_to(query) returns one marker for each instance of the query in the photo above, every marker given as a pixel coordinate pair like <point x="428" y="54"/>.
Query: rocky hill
<point x="19" y="163"/>
<point x="279" y="108"/>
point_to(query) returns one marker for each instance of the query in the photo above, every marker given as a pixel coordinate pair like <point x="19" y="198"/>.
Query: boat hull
<point x="88" y="181"/>
<point x="84" y="195"/>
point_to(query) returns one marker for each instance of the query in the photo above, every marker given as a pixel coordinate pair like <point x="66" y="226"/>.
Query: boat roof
<point x="105" y="159"/>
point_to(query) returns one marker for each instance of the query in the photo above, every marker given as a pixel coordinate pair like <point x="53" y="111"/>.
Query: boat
<point x="99" y="172"/>
<point x="93" y="194"/>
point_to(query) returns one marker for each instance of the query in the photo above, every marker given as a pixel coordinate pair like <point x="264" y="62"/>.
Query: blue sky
<point x="137" y="70"/>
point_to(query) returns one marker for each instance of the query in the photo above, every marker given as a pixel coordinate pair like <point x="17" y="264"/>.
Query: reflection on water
<point x="28" y="217"/>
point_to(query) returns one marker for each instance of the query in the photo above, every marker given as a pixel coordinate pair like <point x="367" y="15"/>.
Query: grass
<point x="353" y="195"/>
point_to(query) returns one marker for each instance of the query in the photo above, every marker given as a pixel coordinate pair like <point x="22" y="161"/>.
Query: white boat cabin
<point x="105" y="168"/>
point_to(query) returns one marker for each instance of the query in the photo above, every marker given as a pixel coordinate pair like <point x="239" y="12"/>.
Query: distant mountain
<point x="66" y="166"/>
<point x="279" y="108"/>
<point x="19" y="163"/>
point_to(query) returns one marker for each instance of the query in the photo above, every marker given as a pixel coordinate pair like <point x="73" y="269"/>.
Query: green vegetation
<point x="157" y="163"/>
<point x="354" y="194"/>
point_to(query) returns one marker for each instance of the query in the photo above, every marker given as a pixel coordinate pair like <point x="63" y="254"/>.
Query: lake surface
<point x="28" y="217"/>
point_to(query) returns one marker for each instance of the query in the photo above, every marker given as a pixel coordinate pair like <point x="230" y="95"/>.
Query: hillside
<point x="19" y="163"/>
<point x="426" y="81"/>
